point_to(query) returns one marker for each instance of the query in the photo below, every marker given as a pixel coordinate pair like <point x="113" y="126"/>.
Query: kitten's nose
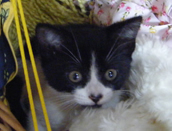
<point x="95" y="98"/>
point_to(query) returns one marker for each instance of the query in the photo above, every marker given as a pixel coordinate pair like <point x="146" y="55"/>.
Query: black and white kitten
<point x="80" y="66"/>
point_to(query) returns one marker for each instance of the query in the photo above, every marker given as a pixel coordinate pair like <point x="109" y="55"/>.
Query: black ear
<point x="122" y="35"/>
<point x="48" y="35"/>
<point x="49" y="40"/>
<point x="127" y="29"/>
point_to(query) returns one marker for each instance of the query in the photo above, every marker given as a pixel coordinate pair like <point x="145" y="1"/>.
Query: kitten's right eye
<point x="75" y="76"/>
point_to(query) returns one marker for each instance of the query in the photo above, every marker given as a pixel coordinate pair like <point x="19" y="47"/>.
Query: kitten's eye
<point x="110" y="74"/>
<point x="75" y="76"/>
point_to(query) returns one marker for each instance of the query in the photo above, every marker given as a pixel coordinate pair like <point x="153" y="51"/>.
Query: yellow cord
<point x="34" y="66"/>
<point x="25" y="66"/>
<point x="14" y="2"/>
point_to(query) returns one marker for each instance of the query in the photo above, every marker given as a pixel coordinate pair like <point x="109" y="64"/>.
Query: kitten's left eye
<point x="75" y="76"/>
<point x="110" y="74"/>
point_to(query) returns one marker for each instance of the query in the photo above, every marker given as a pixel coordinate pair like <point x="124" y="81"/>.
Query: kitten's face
<point x="89" y="62"/>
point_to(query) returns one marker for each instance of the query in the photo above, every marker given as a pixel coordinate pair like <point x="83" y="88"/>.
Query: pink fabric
<point x="157" y="15"/>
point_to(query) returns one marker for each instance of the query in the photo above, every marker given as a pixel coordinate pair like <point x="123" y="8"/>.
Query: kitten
<point x="80" y="66"/>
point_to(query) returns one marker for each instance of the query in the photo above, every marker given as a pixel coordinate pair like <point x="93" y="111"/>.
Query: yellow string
<point x="25" y="66"/>
<point x="34" y="66"/>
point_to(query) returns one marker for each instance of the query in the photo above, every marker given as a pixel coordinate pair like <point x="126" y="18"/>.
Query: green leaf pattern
<point x="4" y="14"/>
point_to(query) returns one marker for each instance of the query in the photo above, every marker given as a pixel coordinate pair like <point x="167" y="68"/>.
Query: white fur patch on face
<point x="93" y="89"/>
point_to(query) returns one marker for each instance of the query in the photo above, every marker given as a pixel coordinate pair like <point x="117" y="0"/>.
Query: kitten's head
<point x="90" y="62"/>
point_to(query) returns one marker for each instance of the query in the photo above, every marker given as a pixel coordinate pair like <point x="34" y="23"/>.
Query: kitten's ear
<point x="48" y="36"/>
<point x="122" y="35"/>
<point x="125" y="30"/>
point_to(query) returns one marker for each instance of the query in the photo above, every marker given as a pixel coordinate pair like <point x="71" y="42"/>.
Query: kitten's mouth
<point x="96" y="106"/>
<point x="92" y="106"/>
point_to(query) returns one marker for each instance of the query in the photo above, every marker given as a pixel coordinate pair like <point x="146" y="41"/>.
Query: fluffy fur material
<point x="150" y="82"/>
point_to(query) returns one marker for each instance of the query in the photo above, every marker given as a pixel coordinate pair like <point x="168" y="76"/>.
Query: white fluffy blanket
<point x="150" y="82"/>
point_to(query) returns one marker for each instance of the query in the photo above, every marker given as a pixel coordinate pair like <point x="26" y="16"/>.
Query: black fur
<point x="55" y="44"/>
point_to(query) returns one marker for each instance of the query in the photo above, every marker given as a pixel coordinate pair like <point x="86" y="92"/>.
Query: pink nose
<point x="95" y="98"/>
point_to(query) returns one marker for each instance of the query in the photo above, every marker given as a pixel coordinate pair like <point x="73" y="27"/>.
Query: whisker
<point x="73" y="56"/>
<point x="61" y="96"/>
<point x="114" y="45"/>
<point x="79" y="54"/>
<point x="109" y="56"/>
<point x="63" y="101"/>
<point x="65" y="95"/>
<point x="116" y="62"/>
<point x="68" y="107"/>
<point x="81" y="97"/>
<point x="113" y="56"/>
<point x="128" y="92"/>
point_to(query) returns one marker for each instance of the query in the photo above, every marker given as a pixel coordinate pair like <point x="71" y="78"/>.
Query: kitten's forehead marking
<point x="93" y="69"/>
<point x="93" y="61"/>
<point x="94" y="86"/>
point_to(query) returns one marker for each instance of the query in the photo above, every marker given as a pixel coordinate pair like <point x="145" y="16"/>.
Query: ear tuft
<point x="127" y="29"/>
<point x="132" y="27"/>
<point x="47" y="35"/>
<point x="123" y="35"/>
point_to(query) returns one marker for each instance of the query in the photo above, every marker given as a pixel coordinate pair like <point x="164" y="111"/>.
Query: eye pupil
<point x="110" y="74"/>
<point x="75" y="76"/>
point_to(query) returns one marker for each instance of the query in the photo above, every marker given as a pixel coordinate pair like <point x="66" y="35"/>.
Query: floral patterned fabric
<point x="157" y="15"/>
